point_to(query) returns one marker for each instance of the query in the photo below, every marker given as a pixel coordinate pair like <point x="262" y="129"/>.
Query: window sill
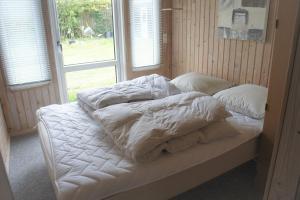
<point x="28" y="86"/>
<point x="151" y="67"/>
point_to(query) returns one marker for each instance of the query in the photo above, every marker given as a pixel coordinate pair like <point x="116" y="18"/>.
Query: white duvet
<point x="142" y="130"/>
<point x="143" y="88"/>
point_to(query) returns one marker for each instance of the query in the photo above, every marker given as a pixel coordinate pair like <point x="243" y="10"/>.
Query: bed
<point x="84" y="163"/>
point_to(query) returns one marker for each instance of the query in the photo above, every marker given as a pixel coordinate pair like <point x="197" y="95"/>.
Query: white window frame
<point x="117" y="6"/>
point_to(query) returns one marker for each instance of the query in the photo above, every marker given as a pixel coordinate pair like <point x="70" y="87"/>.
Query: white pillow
<point x="201" y="83"/>
<point x="249" y="100"/>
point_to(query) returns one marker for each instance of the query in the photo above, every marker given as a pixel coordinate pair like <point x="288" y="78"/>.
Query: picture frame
<point x="243" y="19"/>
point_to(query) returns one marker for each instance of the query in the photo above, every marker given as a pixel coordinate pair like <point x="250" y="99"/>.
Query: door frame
<point x="285" y="178"/>
<point x="58" y="54"/>
<point x="5" y="188"/>
<point x="288" y="27"/>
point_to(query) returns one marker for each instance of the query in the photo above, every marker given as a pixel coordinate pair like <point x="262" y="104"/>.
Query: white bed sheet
<point x="85" y="164"/>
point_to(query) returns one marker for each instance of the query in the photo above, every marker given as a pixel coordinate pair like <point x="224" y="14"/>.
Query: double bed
<point x="84" y="163"/>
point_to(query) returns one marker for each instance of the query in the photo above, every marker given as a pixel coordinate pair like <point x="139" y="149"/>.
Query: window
<point x="23" y="46"/>
<point x="145" y="34"/>
<point x="90" y="41"/>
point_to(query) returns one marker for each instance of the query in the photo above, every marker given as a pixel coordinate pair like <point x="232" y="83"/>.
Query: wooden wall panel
<point x="197" y="48"/>
<point x="5" y="189"/>
<point x="4" y="141"/>
<point x="20" y="106"/>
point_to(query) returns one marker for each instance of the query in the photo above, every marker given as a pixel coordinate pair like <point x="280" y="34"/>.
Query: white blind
<point x="23" y="47"/>
<point x="145" y="32"/>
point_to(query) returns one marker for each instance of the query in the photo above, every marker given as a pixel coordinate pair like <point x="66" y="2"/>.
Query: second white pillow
<point x="249" y="100"/>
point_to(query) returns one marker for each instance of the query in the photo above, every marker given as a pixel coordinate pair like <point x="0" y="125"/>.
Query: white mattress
<point x="84" y="164"/>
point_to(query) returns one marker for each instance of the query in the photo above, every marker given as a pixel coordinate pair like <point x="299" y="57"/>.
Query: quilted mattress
<point x="84" y="163"/>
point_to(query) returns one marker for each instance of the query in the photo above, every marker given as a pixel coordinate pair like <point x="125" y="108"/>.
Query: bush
<point x="76" y="15"/>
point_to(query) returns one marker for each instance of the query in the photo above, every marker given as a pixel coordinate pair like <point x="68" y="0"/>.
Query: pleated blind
<point x="145" y="32"/>
<point x="23" y="46"/>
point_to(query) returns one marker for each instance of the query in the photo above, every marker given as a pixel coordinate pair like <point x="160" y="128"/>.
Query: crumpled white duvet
<point x="143" y="88"/>
<point x="142" y="130"/>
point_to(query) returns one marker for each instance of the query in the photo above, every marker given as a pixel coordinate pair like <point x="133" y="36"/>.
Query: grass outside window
<point x="88" y="50"/>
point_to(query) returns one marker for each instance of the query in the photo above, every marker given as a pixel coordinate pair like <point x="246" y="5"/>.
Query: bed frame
<point x="181" y="182"/>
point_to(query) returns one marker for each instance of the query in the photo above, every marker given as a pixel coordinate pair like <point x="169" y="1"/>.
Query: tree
<point x="75" y="14"/>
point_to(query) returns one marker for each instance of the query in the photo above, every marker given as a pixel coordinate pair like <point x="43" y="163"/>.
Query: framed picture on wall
<point x="243" y="19"/>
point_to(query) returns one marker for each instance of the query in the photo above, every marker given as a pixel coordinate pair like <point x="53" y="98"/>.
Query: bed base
<point x="181" y="182"/>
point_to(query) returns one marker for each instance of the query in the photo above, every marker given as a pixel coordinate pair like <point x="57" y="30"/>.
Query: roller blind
<point x="23" y="46"/>
<point x="145" y="33"/>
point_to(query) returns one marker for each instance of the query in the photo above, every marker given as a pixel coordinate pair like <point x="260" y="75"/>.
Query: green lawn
<point x="93" y="78"/>
<point x="88" y="50"/>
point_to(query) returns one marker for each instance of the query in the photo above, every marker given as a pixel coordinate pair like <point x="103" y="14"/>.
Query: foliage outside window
<point x="77" y="17"/>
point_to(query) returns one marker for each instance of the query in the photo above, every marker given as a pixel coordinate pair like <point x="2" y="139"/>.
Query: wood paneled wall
<point x="20" y="106"/>
<point x="4" y="141"/>
<point x="197" y="48"/>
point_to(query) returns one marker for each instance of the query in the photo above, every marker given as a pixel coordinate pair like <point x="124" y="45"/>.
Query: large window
<point x="86" y="31"/>
<point x="23" y="46"/>
<point x="144" y="19"/>
<point x="88" y="40"/>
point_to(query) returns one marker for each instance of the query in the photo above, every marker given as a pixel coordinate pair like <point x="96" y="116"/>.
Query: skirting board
<point x="23" y="132"/>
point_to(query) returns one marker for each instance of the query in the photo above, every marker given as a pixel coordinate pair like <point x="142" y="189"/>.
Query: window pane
<point x="23" y="45"/>
<point x="145" y="32"/>
<point x="86" y="30"/>
<point x="88" y="50"/>
<point x="86" y="79"/>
